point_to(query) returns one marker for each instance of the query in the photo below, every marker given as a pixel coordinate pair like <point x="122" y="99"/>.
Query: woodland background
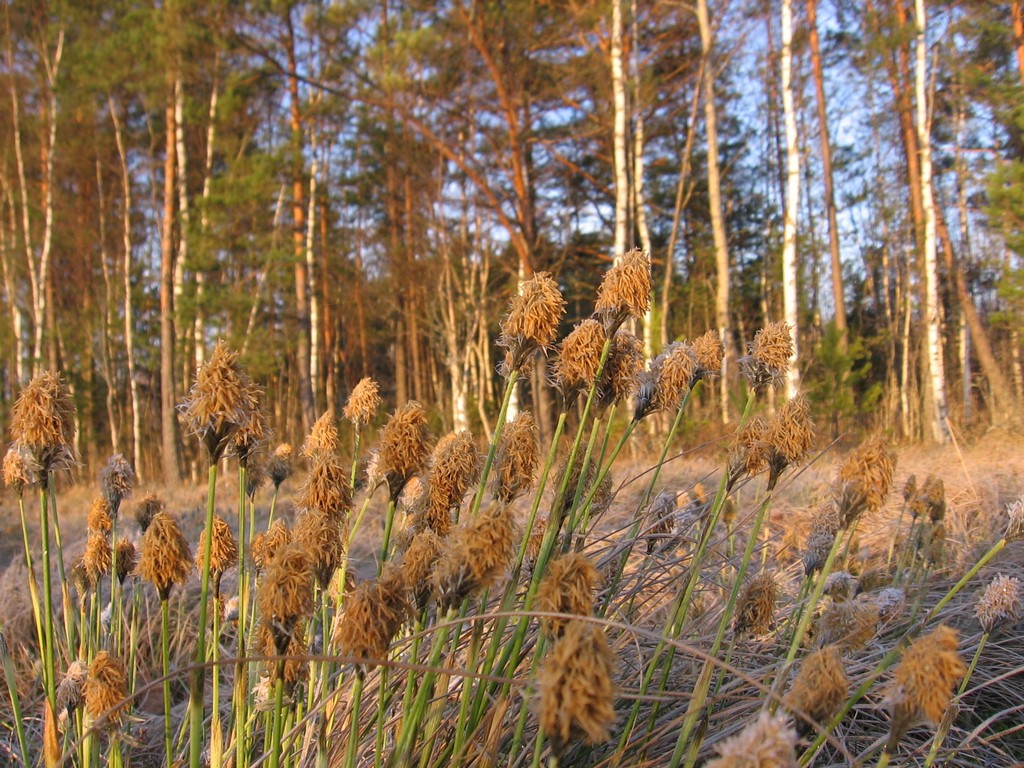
<point x="354" y="189"/>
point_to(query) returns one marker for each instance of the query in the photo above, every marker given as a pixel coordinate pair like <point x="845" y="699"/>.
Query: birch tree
<point x="790" y="297"/>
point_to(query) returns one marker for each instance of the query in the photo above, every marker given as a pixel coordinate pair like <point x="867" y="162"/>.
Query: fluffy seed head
<point x="117" y="480"/>
<point x="1015" y="522"/>
<point x="748" y="455"/>
<point x="821" y="686"/>
<point x="373" y="614"/>
<point x="579" y="356"/>
<point x="475" y="555"/>
<point x="43" y="420"/>
<point x="889" y="600"/>
<point x="106" y="688"/>
<point x="327" y="487"/>
<point x="418" y="563"/>
<point x="790" y="435"/>
<point x="516" y="459"/>
<point x="621" y="375"/>
<point x="223" y="547"/>
<point x="99" y="518"/>
<point x="768" y="357"/>
<point x="363" y="402"/>
<point x="20" y="468"/>
<point x="255" y="474"/>
<point x="322" y="439"/>
<point x="265" y="544"/>
<point x="285" y="594"/>
<point x="97" y="557"/>
<point x="567" y="587"/>
<point x="295" y="668"/>
<point x="756" y="605"/>
<point x="768" y="742"/>
<point x="864" y="479"/>
<point x="254" y="431"/>
<point x="127" y="558"/>
<point x="577" y="695"/>
<point x="625" y="291"/>
<point x="817" y="548"/>
<point x="220" y="402"/>
<point x="675" y="368"/>
<point x="321" y="536"/>
<point x="279" y="466"/>
<point x="454" y="466"/>
<point x="933" y="495"/>
<point x="923" y="682"/>
<point x="404" y="446"/>
<point x="849" y="626"/>
<point x="709" y="352"/>
<point x="999" y="603"/>
<point x="910" y="488"/>
<point x="147" y="508"/>
<point x="71" y="690"/>
<point x="532" y="321"/>
<point x="840" y="586"/>
<point x="164" y="557"/>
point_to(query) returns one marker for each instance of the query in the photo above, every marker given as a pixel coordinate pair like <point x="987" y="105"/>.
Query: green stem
<point x="49" y="673"/>
<point x="196" y="703"/>
<point x="352" y="749"/>
<point x="275" y="744"/>
<point x="70" y="630"/>
<point x="499" y="427"/>
<point x="165" y="656"/>
<point x="389" y="522"/>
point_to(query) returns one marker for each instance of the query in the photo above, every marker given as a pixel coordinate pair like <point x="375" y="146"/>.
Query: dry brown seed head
<point x="255" y="474"/>
<point x="219" y="402"/>
<point x="850" y="626"/>
<point x="327" y="487"/>
<point x="625" y="291"/>
<point x="127" y="558"/>
<point x="404" y="446"/>
<point x="454" y="466"/>
<point x="373" y="614"/>
<point x="164" y="557"/>
<point x="106" y="689"/>
<point x="769" y="355"/>
<point x="322" y="439"/>
<point x="295" y="668"/>
<point x="279" y="466"/>
<point x="475" y="556"/>
<point x="1015" y="521"/>
<point x="99" y="517"/>
<point x="532" y="321"/>
<point x="790" y="435"/>
<point x="579" y="356"/>
<point x="567" y="587"/>
<point x="43" y="420"/>
<point x="864" y="479"/>
<point x="254" y="431"/>
<point x="322" y="538"/>
<point x="223" y="547"/>
<point x="889" y="600"/>
<point x="820" y="687"/>
<point x="363" y="402"/>
<point x="621" y="375"/>
<point x="675" y="368"/>
<point x="709" y="351"/>
<point x="577" y="694"/>
<point x="748" y="455"/>
<point x="933" y="494"/>
<point x="999" y="604"/>
<point x="117" y="480"/>
<point x="20" y="468"/>
<point x="80" y="578"/>
<point x="71" y="690"/>
<point x="285" y="594"/>
<point x="97" y="557"/>
<point x="840" y="586"/>
<point x="417" y="564"/>
<point x="147" y="508"/>
<point x="756" y="605"/>
<point x="923" y="682"/>
<point x="817" y="549"/>
<point x="767" y="742"/>
<point x="516" y="459"/>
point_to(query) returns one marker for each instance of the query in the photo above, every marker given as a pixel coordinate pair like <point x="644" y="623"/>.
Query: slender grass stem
<point x="499" y="427"/>
<point x="70" y="630"/>
<point x="165" y="657"/>
<point x="196" y="704"/>
<point x="389" y="522"/>
<point x="275" y="740"/>
<point x="49" y="673"/>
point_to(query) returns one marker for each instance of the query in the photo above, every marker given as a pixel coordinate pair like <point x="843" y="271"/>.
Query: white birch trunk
<point x="790" y="297"/>
<point x="10" y="288"/>
<point x="715" y="202"/>
<point x="182" y="189"/>
<point x="315" y="335"/>
<point x="639" y="204"/>
<point x="129" y="335"/>
<point x="936" y="368"/>
<point x="199" y="327"/>
<point x="619" y="135"/>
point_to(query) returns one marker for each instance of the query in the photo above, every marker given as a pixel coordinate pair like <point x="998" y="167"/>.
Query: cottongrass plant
<point x="524" y="614"/>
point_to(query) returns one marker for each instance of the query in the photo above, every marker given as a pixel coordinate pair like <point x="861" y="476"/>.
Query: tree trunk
<point x="183" y="221"/>
<point x="639" y="203"/>
<point x="619" y="135"/>
<point x="838" y="294"/>
<point x="168" y="417"/>
<point x="106" y="342"/>
<point x="791" y="300"/>
<point x="199" y="327"/>
<point x="302" y="342"/>
<point x="129" y="314"/>
<point x="715" y="202"/>
<point x="1018" y="35"/>
<point x="936" y="368"/>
